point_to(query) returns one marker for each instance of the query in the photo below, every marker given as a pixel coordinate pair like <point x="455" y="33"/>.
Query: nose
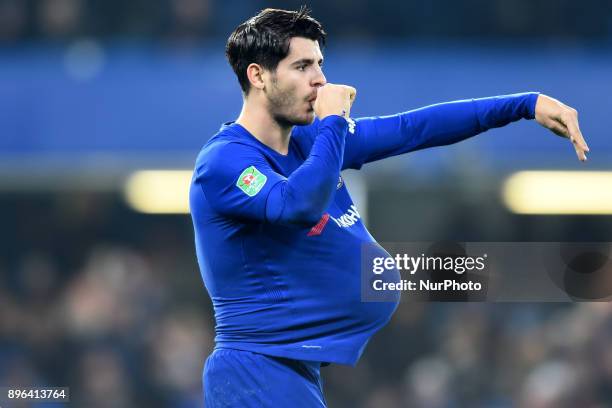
<point x="319" y="79"/>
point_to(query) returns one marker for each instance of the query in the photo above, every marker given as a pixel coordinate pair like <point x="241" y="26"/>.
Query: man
<point x="277" y="235"/>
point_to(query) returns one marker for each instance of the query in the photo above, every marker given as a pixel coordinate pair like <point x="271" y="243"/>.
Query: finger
<point x="581" y="154"/>
<point x="571" y="122"/>
<point x="560" y="129"/>
<point x="580" y="151"/>
<point x="352" y="93"/>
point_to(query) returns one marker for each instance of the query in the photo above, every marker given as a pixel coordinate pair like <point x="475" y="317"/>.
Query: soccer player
<point x="277" y="235"/>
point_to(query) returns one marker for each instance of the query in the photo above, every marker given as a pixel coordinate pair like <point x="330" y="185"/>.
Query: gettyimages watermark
<point x="487" y="271"/>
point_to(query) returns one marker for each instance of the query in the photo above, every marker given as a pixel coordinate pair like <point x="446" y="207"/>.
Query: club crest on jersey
<point x="251" y="181"/>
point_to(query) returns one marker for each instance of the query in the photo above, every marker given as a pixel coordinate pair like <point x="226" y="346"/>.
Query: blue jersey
<point x="279" y="239"/>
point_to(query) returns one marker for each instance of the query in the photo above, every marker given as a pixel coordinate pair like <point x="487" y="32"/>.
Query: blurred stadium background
<point x="99" y="287"/>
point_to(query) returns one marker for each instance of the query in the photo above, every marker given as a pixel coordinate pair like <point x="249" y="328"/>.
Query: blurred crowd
<point x="110" y="303"/>
<point x="444" y="355"/>
<point x="193" y="20"/>
<point x="120" y="317"/>
<point x="53" y="20"/>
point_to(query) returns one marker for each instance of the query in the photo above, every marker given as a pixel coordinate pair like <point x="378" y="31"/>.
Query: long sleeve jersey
<point x="279" y="240"/>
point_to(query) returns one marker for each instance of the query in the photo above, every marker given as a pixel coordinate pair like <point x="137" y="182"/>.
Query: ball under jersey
<point x="279" y="239"/>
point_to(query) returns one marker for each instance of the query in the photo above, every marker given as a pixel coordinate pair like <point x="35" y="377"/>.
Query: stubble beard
<point x="282" y="103"/>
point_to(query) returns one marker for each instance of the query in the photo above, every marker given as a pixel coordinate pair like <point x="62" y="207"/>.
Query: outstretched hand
<point x="563" y="121"/>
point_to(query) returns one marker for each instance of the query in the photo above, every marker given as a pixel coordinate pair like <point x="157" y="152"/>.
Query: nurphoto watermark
<point x="486" y="271"/>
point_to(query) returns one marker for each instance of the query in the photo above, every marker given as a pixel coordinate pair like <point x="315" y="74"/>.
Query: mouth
<point x="312" y="98"/>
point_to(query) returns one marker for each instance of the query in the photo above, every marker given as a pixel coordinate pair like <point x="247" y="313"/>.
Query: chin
<point x="304" y="120"/>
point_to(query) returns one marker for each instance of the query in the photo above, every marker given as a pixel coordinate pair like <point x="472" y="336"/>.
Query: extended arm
<point x="376" y="138"/>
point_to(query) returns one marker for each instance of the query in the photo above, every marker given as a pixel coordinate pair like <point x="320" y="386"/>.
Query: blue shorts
<point x="236" y="378"/>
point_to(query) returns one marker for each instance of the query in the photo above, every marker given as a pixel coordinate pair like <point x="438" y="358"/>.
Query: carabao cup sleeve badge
<point x="251" y="181"/>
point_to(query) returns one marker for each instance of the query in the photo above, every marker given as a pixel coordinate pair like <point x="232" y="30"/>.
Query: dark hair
<point x="264" y="39"/>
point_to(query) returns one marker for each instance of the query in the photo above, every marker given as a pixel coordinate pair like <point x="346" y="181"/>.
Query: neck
<point x="257" y="120"/>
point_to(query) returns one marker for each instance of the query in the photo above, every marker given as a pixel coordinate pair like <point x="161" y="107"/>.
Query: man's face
<point x="292" y="89"/>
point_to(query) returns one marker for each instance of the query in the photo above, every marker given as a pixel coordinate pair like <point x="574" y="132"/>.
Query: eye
<point x="301" y="67"/>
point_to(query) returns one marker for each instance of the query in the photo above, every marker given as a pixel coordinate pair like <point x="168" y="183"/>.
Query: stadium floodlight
<point x="559" y="192"/>
<point x="159" y="191"/>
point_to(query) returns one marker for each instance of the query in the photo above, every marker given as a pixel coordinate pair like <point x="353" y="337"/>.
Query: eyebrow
<point x="307" y="61"/>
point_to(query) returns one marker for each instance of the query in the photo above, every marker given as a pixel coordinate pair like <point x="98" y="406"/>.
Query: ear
<point x="255" y="73"/>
